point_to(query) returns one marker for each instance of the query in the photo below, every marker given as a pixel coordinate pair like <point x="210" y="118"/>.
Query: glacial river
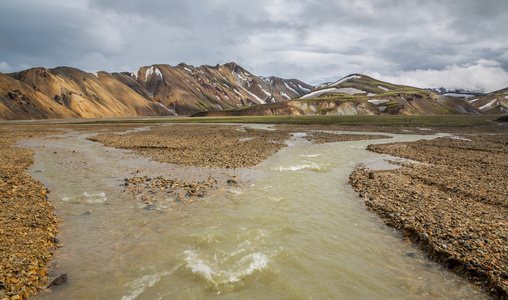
<point x="294" y="229"/>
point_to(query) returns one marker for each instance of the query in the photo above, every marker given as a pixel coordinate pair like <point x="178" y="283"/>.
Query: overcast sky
<point x="450" y="43"/>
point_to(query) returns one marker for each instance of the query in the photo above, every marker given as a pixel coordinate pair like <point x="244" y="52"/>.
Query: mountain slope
<point x="20" y="101"/>
<point x="84" y="95"/>
<point x="492" y="103"/>
<point x="378" y="97"/>
<point x="188" y="89"/>
<point x="66" y="92"/>
<point x="358" y="94"/>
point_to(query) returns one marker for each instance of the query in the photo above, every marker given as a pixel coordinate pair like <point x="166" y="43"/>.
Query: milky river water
<point x="294" y="229"/>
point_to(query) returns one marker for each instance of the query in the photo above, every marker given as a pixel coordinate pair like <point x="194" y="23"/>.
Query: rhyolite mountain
<point x="221" y="90"/>
<point x="157" y="90"/>
<point x="492" y="103"/>
<point x="358" y="94"/>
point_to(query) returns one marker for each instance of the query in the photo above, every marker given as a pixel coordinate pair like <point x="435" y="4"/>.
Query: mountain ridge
<point x="66" y="92"/>
<point x="358" y="94"/>
<point x="164" y="90"/>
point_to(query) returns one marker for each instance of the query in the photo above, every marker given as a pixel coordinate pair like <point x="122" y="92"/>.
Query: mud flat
<point x="454" y="204"/>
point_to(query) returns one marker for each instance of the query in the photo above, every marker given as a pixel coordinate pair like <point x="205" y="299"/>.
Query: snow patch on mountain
<point x="349" y="91"/>
<point x="264" y="91"/>
<point x="170" y="110"/>
<point x="383" y="88"/>
<point x="346" y="79"/>
<point x="266" y="79"/>
<point x="148" y="73"/>
<point x="318" y="93"/>
<point x="238" y="75"/>
<point x="303" y="89"/>
<point x="293" y="90"/>
<point x="490" y="105"/>
<point x="378" y="102"/>
<point x="322" y="85"/>
<point x="135" y="74"/>
<point x="253" y="95"/>
<point x="159" y="74"/>
<point x="221" y="75"/>
<point x="285" y="95"/>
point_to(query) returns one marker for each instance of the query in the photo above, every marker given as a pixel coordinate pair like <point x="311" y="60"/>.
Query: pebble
<point x="27" y="224"/>
<point x="455" y="201"/>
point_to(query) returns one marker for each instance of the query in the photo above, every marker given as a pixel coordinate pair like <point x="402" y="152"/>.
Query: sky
<point x="446" y="43"/>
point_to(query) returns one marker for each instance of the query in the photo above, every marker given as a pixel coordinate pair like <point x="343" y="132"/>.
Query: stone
<point x="58" y="281"/>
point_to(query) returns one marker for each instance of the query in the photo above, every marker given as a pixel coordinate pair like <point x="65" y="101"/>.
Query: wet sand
<point x="29" y="227"/>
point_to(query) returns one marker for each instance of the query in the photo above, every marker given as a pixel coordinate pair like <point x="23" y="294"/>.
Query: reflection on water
<point x="295" y="231"/>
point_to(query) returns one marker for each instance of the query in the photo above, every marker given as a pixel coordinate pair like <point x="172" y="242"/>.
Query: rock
<point x="406" y="232"/>
<point x="58" y="281"/>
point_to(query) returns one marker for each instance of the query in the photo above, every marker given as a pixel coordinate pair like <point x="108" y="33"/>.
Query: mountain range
<point x="229" y="89"/>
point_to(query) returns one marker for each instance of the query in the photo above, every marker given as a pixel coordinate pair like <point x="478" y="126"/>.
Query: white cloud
<point x="4" y="67"/>
<point x="94" y="61"/>
<point x="301" y="39"/>
<point x="482" y="75"/>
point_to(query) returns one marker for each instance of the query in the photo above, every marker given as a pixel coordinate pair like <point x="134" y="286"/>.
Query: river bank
<point x="227" y="147"/>
<point x="28" y="227"/>
<point x="453" y="204"/>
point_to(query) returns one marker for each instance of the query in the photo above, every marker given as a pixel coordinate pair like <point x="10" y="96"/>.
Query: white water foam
<point x="235" y="192"/>
<point x="93" y="198"/>
<point x="299" y="167"/>
<point x="214" y="272"/>
<point x="144" y="282"/>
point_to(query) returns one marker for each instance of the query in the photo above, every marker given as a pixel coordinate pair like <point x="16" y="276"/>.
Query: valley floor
<point x="453" y="205"/>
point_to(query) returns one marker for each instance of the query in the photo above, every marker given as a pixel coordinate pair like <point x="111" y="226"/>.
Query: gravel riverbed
<point x="453" y="204"/>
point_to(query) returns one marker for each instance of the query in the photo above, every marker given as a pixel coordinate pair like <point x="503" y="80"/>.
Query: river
<point x="294" y="229"/>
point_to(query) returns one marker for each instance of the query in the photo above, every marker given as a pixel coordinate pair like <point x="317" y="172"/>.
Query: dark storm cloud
<point x="311" y="40"/>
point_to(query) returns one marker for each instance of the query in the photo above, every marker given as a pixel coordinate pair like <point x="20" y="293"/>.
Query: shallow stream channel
<point x="292" y="229"/>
